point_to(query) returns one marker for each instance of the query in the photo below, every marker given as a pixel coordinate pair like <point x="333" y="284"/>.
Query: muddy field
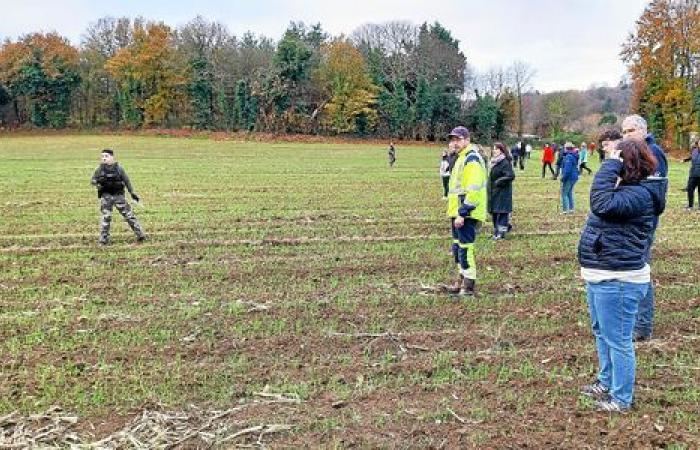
<point x="284" y="300"/>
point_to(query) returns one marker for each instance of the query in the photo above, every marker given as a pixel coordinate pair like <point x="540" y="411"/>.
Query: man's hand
<point x="135" y="197"/>
<point x="459" y="222"/>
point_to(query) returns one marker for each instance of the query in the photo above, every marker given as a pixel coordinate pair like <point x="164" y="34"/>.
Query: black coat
<point x="500" y="188"/>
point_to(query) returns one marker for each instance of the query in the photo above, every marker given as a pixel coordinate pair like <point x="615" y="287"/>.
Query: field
<point x="280" y="303"/>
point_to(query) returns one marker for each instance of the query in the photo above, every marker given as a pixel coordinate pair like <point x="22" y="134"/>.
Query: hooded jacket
<point x="569" y="170"/>
<point x="695" y="163"/>
<point x="622" y="218"/>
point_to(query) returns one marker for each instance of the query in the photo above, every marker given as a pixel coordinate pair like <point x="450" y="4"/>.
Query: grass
<point x="260" y="252"/>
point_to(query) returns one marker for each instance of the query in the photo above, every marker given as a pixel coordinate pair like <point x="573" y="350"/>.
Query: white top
<point x="528" y="148"/>
<point x="641" y="276"/>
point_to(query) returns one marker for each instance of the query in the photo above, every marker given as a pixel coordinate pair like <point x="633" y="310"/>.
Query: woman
<point x="445" y="174"/>
<point x="500" y="190"/>
<point x="569" y="177"/>
<point x="611" y="251"/>
<point x="583" y="159"/>
<point x="694" y="175"/>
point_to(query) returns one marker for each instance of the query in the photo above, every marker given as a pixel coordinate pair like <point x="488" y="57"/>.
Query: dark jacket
<point x="662" y="163"/>
<point x="500" y="187"/>
<point x="569" y="170"/>
<point x="111" y="180"/>
<point x="695" y="163"/>
<point x="617" y="233"/>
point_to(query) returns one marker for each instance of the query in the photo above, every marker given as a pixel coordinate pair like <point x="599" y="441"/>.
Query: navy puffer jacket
<point x="616" y="234"/>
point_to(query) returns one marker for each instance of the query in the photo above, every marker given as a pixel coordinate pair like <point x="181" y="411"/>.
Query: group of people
<point x="627" y="197"/>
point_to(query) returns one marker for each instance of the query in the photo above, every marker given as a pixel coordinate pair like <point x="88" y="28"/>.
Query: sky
<point x="571" y="44"/>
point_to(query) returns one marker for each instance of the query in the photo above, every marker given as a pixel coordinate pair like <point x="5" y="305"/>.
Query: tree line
<point x="393" y="79"/>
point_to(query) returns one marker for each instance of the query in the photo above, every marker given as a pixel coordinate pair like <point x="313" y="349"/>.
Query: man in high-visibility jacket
<point x="466" y="206"/>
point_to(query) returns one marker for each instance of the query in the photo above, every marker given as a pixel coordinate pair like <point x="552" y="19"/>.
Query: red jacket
<point x="548" y="155"/>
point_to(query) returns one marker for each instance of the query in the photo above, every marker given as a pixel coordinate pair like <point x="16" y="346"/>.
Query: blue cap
<point x="460" y="132"/>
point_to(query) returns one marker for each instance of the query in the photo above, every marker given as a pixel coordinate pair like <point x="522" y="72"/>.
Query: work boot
<point x="468" y="287"/>
<point x="456" y="287"/>
<point x="103" y="242"/>
<point x="141" y="238"/>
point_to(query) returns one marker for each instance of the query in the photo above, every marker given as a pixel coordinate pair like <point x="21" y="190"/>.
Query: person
<point x="110" y="179"/>
<point x="583" y="159"/>
<point x="547" y="158"/>
<point x="515" y="154"/>
<point x="635" y="127"/>
<point x="466" y="207"/>
<point x="694" y="175"/>
<point x="500" y="190"/>
<point x="560" y="151"/>
<point x="569" y="177"/>
<point x="522" y="152"/>
<point x="528" y="150"/>
<point x="445" y="174"/>
<point x="612" y="253"/>
<point x="592" y="148"/>
<point x="392" y="154"/>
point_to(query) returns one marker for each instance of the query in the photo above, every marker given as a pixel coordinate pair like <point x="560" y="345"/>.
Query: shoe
<point x="444" y="198"/>
<point x="103" y="242"/>
<point x="596" y="390"/>
<point x="611" y="406"/>
<point x="497" y="237"/>
<point x="142" y="238"/>
<point x="639" y="337"/>
<point x="688" y="208"/>
<point x="510" y="227"/>
<point x="468" y="288"/>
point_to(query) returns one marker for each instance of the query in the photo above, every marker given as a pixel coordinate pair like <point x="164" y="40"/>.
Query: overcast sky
<point x="571" y="44"/>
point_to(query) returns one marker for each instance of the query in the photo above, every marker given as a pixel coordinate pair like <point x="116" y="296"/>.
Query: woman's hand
<point x="459" y="222"/>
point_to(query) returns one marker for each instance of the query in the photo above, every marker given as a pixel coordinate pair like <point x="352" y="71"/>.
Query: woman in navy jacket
<point x="500" y="190"/>
<point x="612" y="249"/>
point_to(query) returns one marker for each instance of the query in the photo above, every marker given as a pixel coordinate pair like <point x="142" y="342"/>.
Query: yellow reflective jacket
<point x="468" y="184"/>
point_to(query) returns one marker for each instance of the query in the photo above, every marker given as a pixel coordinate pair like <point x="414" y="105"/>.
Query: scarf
<point x="495" y="160"/>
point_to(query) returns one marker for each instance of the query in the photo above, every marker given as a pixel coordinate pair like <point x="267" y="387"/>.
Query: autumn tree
<point x="351" y="96"/>
<point x="662" y="56"/>
<point x="151" y="82"/>
<point x="40" y="72"/>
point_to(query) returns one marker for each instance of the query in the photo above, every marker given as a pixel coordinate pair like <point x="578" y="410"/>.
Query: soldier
<point x="392" y="154"/>
<point x="466" y="207"/>
<point x="110" y="180"/>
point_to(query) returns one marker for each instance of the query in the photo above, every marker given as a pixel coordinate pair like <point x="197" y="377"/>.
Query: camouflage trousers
<point x="107" y="203"/>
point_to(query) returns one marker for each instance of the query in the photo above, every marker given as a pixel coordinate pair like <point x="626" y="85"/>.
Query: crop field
<point x="282" y="302"/>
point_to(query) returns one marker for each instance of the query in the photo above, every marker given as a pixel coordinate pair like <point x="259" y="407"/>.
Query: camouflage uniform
<point x="107" y="201"/>
<point x="111" y="181"/>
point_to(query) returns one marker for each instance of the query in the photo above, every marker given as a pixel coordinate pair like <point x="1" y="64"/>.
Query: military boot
<point x="468" y="288"/>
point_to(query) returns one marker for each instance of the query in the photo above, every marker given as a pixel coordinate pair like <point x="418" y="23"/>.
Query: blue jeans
<point x="613" y="308"/>
<point x="645" y="315"/>
<point x="567" y="195"/>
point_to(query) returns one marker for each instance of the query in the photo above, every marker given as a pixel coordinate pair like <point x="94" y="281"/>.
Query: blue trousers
<point x="463" y="247"/>
<point x="567" y="195"/>
<point x="613" y="308"/>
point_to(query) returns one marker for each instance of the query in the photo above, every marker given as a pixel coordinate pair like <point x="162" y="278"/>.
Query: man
<point x="110" y="180"/>
<point x="635" y="127"/>
<point x="392" y="154"/>
<point x="466" y="207"/>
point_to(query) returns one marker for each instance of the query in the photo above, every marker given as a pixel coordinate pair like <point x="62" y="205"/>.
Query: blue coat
<point x="617" y="233"/>
<point x="569" y="170"/>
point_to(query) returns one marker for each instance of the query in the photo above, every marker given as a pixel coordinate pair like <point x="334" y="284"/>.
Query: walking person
<point x="522" y="153"/>
<point x="445" y="174"/>
<point x="693" y="176"/>
<point x="392" y="154"/>
<point x="515" y="154"/>
<point x="466" y="207"/>
<point x="500" y="190"/>
<point x="569" y="177"/>
<point x="612" y="252"/>
<point x="528" y="150"/>
<point x="110" y="180"/>
<point x="560" y="151"/>
<point x="635" y="127"/>
<point x="583" y="159"/>
<point x="547" y="159"/>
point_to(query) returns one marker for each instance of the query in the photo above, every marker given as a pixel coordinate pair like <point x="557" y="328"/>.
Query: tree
<point x="521" y="75"/>
<point x="349" y="89"/>
<point x="41" y="70"/>
<point x="151" y="83"/>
